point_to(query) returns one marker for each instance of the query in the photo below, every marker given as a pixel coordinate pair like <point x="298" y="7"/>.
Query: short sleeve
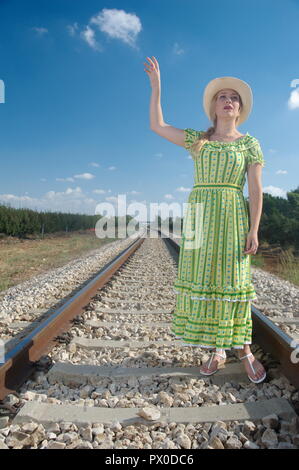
<point x="191" y="136"/>
<point x="254" y="154"/>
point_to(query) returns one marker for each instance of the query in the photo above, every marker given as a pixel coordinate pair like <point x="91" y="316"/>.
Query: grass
<point x="285" y="265"/>
<point x="22" y="259"/>
<point x="258" y="261"/>
<point x="289" y="266"/>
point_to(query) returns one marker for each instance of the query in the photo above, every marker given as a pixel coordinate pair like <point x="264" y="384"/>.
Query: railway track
<point x="104" y="371"/>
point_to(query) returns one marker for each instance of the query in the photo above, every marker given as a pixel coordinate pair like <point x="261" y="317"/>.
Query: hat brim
<point x="234" y="83"/>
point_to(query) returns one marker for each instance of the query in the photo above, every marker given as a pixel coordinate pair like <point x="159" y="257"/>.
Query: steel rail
<point x="19" y="362"/>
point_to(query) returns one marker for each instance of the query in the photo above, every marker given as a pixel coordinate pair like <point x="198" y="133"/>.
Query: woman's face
<point x="227" y="104"/>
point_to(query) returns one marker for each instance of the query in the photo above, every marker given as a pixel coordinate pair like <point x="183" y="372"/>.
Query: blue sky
<point x="75" y="121"/>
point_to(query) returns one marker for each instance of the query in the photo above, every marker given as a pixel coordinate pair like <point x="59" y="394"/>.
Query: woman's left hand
<point x="251" y="243"/>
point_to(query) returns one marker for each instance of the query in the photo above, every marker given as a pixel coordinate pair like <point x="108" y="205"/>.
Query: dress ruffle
<point x="248" y="145"/>
<point x="254" y="154"/>
<point x="217" y="293"/>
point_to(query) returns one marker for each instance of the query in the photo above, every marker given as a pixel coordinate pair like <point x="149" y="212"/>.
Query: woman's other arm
<point x="255" y="190"/>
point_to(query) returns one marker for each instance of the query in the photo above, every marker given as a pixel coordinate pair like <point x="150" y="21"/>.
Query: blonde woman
<point x="213" y="286"/>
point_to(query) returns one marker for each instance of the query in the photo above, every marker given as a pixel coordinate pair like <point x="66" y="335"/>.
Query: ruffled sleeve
<point x="254" y="154"/>
<point x="191" y="136"/>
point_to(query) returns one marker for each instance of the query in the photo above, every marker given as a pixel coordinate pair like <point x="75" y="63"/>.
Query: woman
<point x="213" y="286"/>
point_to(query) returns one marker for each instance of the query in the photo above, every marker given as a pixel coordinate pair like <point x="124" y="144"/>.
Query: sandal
<point x="219" y="363"/>
<point x="252" y="368"/>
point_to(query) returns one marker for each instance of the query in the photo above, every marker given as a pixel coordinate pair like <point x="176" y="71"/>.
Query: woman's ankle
<point x="245" y="350"/>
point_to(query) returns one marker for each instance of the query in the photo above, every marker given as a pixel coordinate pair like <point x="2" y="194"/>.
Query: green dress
<point x="213" y="285"/>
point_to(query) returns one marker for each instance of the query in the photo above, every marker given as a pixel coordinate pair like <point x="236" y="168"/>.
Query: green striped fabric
<point x="213" y="286"/>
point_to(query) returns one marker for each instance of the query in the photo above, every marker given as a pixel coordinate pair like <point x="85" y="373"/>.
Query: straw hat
<point x="234" y="83"/>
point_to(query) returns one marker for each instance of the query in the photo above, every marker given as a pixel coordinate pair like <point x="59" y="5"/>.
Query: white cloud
<point x="94" y="164"/>
<point x="177" y="50"/>
<point x="133" y="192"/>
<point x="71" y="200"/>
<point x="66" y="179"/>
<point x="53" y="195"/>
<point x="183" y="190"/>
<point x="40" y="31"/>
<point x="85" y="176"/>
<point x="168" y="196"/>
<point x="99" y="191"/>
<point x="281" y="172"/>
<point x="118" y="24"/>
<point x="275" y="191"/>
<point x="111" y="167"/>
<point x="293" y="102"/>
<point x="89" y="36"/>
<point x="72" y="29"/>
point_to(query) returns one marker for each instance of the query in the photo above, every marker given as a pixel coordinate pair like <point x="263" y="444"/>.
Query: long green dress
<point x="213" y="285"/>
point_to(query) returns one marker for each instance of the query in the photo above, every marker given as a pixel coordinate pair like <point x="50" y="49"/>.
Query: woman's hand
<point x="251" y="243"/>
<point x="153" y="71"/>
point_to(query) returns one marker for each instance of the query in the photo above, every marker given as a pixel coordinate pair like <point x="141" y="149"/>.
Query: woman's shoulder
<point x="250" y="141"/>
<point x="191" y="135"/>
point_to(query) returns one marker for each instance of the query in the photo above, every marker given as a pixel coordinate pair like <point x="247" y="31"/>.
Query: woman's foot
<point x="211" y="366"/>
<point x="258" y="367"/>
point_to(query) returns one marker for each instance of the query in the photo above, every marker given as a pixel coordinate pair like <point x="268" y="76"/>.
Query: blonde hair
<point x="205" y="137"/>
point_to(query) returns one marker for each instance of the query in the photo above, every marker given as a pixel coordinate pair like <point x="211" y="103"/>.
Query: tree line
<point x="22" y="222"/>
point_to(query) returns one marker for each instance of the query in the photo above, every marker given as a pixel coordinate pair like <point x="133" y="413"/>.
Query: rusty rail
<point x="19" y="361"/>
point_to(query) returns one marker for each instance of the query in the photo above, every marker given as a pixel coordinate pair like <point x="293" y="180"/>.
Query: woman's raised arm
<point x="157" y="124"/>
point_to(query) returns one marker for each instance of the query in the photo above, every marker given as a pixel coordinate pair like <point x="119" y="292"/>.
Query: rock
<point x="29" y="427"/>
<point x="269" y="438"/>
<point x="11" y="399"/>
<point x="233" y="443"/>
<point x="74" y="444"/>
<point x="67" y="437"/>
<point x="56" y="445"/>
<point x="165" y="398"/>
<point x="115" y="426"/>
<point x="84" y="445"/>
<point x="98" y="430"/>
<point x="215" y="443"/>
<point x="286" y="445"/>
<point x="250" y="445"/>
<point x="3" y="445"/>
<point x="151" y="414"/>
<point x="248" y="427"/>
<point x="184" y="441"/>
<point x="3" y="421"/>
<point x="271" y="421"/>
<point x="53" y="427"/>
<point x="38" y="435"/>
<point x="17" y="440"/>
<point x="107" y="444"/>
<point x="86" y="433"/>
<point x="168" y="444"/>
<point x="86" y="391"/>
